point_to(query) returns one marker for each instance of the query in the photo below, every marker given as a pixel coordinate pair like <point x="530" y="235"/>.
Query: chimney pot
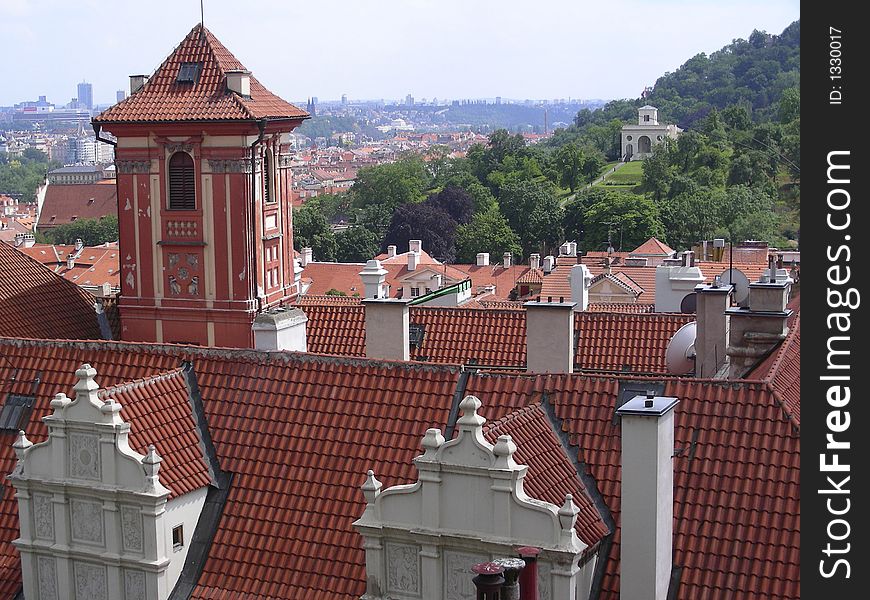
<point x="391" y="251"/>
<point x="239" y="81"/>
<point x="648" y="403"/>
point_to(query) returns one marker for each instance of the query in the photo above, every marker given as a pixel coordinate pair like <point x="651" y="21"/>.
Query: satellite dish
<point x="680" y="354"/>
<point x="740" y="281"/>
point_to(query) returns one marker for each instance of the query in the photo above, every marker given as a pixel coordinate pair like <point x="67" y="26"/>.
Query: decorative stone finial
<point x="431" y="442"/>
<point x="372" y="487"/>
<point x="21" y="445"/>
<point x="86" y="387"/>
<point x="504" y="449"/>
<point x="568" y="514"/>
<point x="469" y="406"/>
<point x="111" y="406"/>
<point x="151" y="464"/>
<point x="60" y="402"/>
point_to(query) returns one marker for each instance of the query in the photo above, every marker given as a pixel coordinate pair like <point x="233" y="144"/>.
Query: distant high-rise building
<point x="344" y="99"/>
<point x="120" y="95"/>
<point x="86" y="95"/>
<point x="409" y="100"/>
<point x="498" y="100"/>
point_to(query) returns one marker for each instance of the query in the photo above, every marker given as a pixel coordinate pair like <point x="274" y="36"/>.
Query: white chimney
<point x="306" y="256"/>
<point x="374" y="277"/>
<point x="415" y="246"/>
<point x="711" y="337"/>
<point x="563" y="249"/>
<point x="572" y="248"/>
<point x="534" y="261"/>
<point x="19" y="239"/>
<point x="70" y="260"/>
<point x="483" y="259"/>
<point x="549" y="263"/>
<point x="280" y="329"/>
<point x="137" y="82"/>
<point x="28" y="240"/>
<point x="580" y="279"/>
<point x="647" y="497"/>
<point x="391" y="251"/>
<point x="387" y="335"/>
<point x="79" y="244"/>
<point x="239" y="81"/>
<point x="549" y="337"/>
<point x="413" y="261"/>
<point x="675" y="282"/>
<point x="506" y="260"/>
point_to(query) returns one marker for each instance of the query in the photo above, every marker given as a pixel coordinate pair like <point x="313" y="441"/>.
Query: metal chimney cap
<point x="638" y="406"/>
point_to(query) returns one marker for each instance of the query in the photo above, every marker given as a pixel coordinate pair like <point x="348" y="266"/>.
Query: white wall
<point x="183" y="510"/>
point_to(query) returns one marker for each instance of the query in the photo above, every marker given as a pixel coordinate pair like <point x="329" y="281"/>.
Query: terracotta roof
<point x="782" y="368"/>
<point x="551" y="473"/>
<point x="556" y="284"/>
<point x="653" y="246"/>
<point x="325" y="299"/>
<point x="504" y="279"/>
<point x="531" y="276"/>
<point x="36" y="303"/>
<point x="621" y="307"/>
<point x="297" y="431"/>
<point x="67" y="203"/>
<point x="736" y="479"/>
<point x="622" y="280"/>
<point x="497" y="337"/>
<point x="93" y="266"/>
<point x="163" y="98"/>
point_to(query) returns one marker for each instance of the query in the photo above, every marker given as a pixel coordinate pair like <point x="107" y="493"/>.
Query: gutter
<point x="252" y="258"/>
<point x="97" y="129"/>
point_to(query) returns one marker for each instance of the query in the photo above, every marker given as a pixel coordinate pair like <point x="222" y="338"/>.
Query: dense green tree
<point x="488" y="231"/>
<point x="311" y="230"/>
<point x="543" y="231"/>
<point x="23" y="175"/>
<point x="391" y="184"/>
<point x="480" y="195"/>
<point x="356" y="244"/>
<point x="629" y="218"/>
<point x="519" y="199"/>
<point x="92" y="232"/>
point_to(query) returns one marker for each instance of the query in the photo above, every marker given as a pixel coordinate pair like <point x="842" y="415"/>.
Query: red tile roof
<point x="783" y="370"/>
<point x="36" y="303"/>
<point x="297" y="431"/>
<point x="93" y="266"/>
<point x="497" y="337"/>
<point x="653" y="246"/>
<point x="551" y="473"/>
<point x="736" y="479"/>
<point x="164" y="99"/>
<point x="621" y="307"/>
<point x="66" y="203"/>
<point x="504" y="280"/>
<point x="531" y="276"/>
<point x="159" y="410"/>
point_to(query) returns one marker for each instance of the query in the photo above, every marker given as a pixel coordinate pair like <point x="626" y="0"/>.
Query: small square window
<point x="177" y="537"/>
<point x="15" y="414"/>
<point x="188" y="72"/>
<point x="415" y="292"/>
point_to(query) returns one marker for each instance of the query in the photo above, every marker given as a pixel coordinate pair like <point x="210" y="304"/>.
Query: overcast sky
<point x="371" y="49"/>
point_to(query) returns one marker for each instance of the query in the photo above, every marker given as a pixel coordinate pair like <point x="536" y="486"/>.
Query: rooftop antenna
<point x="202" y="20"/>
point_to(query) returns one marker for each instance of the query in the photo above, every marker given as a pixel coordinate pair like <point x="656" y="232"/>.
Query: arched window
<point x="182" y="179"/>
<point x="268" y="180"/>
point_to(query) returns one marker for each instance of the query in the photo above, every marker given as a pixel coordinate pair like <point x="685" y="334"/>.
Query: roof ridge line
<point x="126" y="386"/>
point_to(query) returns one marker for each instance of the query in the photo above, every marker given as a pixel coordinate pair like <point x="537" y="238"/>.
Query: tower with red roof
<point x="204" y="185"/>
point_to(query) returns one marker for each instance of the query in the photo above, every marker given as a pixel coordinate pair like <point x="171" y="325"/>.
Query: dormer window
<point x="188" y="72"/>
<point x="182" y="178"/>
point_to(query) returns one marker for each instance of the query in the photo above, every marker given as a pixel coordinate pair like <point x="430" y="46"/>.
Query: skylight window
<point x="188" y="72"/>
<point x="16" y="412"/>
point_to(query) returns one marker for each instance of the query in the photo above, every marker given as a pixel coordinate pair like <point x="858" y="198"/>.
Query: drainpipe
<point x="252" y="259"/>
<point x="97" y="129"/>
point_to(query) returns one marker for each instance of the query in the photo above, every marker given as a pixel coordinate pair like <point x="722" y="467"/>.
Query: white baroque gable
<point x="467" y="506"/>
<point x="85" y="491"/>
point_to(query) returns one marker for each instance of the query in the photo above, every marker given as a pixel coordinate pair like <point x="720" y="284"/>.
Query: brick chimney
<point x="756" y="329"/>
<point x="647" y="497"/>
<point x="280" y="329"/>
<point x="550" y="336"/>
<point x="711" y="338"/>
<point x="387" y="335"/>
<point x="374" y="278"/>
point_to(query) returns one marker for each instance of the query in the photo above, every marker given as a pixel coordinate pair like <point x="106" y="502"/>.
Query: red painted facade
<point x="200" y="276"/>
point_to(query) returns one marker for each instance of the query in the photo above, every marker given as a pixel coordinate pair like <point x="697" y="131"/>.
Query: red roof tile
<point x="66" y="203"/>
<point x="551" y="473"/>
<point x="653" y="246"/>
<point x="497" y="337"/>
<point x="783" y="370"/>
<point x="159" y="411"/>
<point x="736" y="479"/>
<point x="36" y="303"/>
<point x="164" y="99"/>
<point x="297" y="431"/>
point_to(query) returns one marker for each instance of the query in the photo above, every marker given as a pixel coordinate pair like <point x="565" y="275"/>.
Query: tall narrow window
<point x="182" y="177"/>
<point x="268" y="183"/>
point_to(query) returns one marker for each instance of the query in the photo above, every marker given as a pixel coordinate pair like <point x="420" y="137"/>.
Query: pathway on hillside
<point x="610" y="172"/>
